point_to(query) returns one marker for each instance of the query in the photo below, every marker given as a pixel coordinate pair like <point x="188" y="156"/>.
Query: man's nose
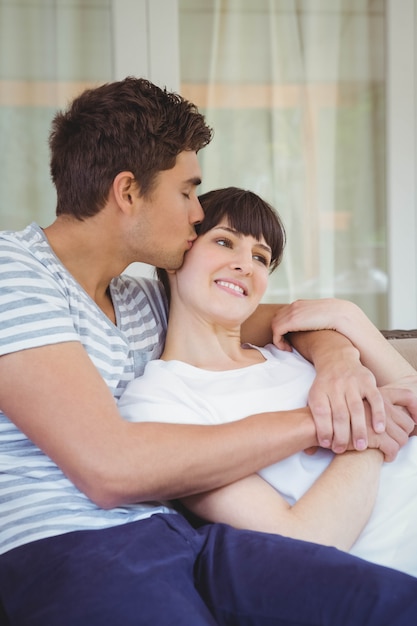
<point x="197" y="213"/>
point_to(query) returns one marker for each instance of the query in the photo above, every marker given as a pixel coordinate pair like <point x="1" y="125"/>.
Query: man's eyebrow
<point x="196" y="181"/>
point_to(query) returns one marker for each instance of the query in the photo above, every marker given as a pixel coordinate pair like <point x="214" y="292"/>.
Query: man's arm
<point x="332" y="512"/>
<point x="55" y="395"/>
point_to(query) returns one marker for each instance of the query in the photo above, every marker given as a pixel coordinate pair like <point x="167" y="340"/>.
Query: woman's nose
<point x="243" y="265"/>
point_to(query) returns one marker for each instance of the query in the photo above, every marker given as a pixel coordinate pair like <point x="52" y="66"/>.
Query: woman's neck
<point x="196" y="341"/>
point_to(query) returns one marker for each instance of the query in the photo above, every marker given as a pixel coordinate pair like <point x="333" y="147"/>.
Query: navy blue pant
<point x="163" y="572"/>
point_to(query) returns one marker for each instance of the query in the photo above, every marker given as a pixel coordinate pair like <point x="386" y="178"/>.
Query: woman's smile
<point x="235" y="287"/>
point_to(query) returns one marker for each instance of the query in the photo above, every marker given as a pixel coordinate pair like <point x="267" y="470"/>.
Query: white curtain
<point x="295" y="91"/>
<point x="50" y="50"/>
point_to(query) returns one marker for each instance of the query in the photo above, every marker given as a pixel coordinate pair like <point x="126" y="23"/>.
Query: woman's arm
<point x="351" y="358"/>
<point x="332" y="512"/>
<point x="394" y="375"/>
<point x="346" y="318"/>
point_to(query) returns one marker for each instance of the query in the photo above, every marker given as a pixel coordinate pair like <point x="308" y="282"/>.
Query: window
<point x="296" y="94"/>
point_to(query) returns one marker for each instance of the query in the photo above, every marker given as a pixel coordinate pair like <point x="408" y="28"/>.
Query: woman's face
<point x="224" y="275"/>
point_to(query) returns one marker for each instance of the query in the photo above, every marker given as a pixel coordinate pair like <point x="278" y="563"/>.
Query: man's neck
<point x="85" y="253"/>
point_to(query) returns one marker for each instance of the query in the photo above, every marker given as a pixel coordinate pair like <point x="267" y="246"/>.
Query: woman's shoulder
<point x="274" y="354"/>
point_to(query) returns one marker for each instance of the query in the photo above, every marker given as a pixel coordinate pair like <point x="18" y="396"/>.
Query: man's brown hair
<point x="131" y="125"/>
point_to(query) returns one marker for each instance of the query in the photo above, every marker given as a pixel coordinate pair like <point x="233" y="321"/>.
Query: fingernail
<point x="380" y="427"/>
<point x="325" y="443"/>
<point x="360" y="444"/>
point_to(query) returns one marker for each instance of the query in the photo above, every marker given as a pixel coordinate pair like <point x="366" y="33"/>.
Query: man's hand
<point x="351" y="411"/>
<point x="342" y="383"/>
<point x="336" y="400"/>
<point x="344" y="361"/>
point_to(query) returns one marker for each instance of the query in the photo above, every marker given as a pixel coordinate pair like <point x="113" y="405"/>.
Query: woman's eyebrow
<point x="238" y="234"/>
<point x="265" y="247"/>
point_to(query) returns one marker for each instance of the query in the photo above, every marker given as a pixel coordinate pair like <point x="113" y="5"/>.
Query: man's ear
<point x="125" y="191"/>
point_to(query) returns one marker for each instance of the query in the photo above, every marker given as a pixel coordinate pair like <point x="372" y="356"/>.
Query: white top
<point x="41" y="304"/>
<point x="176" y="391"/>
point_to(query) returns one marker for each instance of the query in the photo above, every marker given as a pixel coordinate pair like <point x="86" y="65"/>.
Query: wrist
<point x="299" y="428"/>
<point x="338" y="350"/>
<point x="374" y="456"/>
<point x="309" y="429"/>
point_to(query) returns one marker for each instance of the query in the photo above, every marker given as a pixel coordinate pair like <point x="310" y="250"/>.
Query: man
<point x="82" y="539"/>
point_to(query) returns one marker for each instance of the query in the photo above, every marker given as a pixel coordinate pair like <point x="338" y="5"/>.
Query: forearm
<point x="376" y="352"/>
<point x="349" y="320"/>
<point x="165" y="461"/>
<point x="323" y="346"/>
<point x="338" y="505"/>
<point x="114" y="461"/>
<point x="320" y="328"/>
<point x="332" y="512"/>
<point x="316" y="345"/>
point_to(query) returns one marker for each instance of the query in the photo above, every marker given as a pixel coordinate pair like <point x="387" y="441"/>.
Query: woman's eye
<point x="186" y="195"/>
<point x="224" y="242"/>
<point x="262" y="259"/>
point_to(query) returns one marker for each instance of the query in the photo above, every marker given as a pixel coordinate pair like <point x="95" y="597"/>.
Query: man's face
<point x="164" y="230"/>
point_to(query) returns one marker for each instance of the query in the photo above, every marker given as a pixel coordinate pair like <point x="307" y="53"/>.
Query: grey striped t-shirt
<point x="41" y="304"/>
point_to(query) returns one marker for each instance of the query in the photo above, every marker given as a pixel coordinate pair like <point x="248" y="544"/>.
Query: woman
<point x="205" y="375"/>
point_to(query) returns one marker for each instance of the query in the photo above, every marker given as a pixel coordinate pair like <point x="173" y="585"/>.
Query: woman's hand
<point x="325" y="313"/>
<point x="403" y="393"/>
<point x="400" y="407"/>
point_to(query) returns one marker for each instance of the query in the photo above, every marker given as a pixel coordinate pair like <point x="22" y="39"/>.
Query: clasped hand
<point x="351" y="408"/>
<point x="353" y="413"/>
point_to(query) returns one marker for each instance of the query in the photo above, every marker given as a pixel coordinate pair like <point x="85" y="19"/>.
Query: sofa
<point x="405" y="341"/>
